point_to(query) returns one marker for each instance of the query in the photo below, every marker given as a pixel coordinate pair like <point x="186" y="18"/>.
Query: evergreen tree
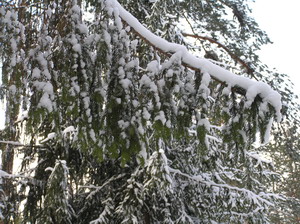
<point x="285" y="154"/>
<point x="136" y="129"/>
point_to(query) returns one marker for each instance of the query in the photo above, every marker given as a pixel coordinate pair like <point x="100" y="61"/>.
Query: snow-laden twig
<point x="98" y="188"/>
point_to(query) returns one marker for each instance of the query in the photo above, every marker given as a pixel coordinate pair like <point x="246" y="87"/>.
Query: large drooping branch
<point x="252" y="88"/>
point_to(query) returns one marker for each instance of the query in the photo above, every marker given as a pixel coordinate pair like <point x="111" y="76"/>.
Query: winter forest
<point x="143" y="111"/>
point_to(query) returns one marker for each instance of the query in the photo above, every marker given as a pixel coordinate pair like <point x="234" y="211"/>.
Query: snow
<point x="134" y="44"/>
<point x="107" y="37"/>
<point x="141" y="130"/>
<point x="48" y="88"/>
<point x="205" y="79"/>
<point x="68" y="130"/>
<point x="36" y="73"/>
<point x="268" y="131"/>
<point x="123" y="124"/>
<point x="76" y="9"/>
<point x="243" y="134"/>
<point x="168" y="124"/>
<point x="259" y="158"/>
<point x="153" y="67"/>
<point x="146" y="114"/>
<point x="204" y="122"/>
<point x="49" y="12"/>
<point x="22" y="116"/>
<point x="4" y="174"/>
<point x="252" y="87"/>
<point x="13" y="89"/>
<point x="126" y="83"/>
<point x="161" y="117"/>
<point x="82" y="28"/>
<point x="11" y="143"/>
<point x="86" y="102"/>
<point x="77" y="48"/>
<point x="13" y="44"/>
<point x="135" y="103"/>
<point x="93" y="135"/>
<point x="46" y="102"/>
<point x="121" y="72"/>
<point x="161" y="83"/>
<point x="49" y="169"/>
<point x="41" y="59"/>
<point x="119" y="100"/>
<point x="226" y="90"/>
<point x="13" y="60"/>
<point x="130" y="64"/>
<point x="145" y="80"/>
<point x="50" y="136"/>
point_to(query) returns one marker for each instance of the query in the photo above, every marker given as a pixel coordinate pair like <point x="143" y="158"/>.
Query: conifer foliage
<point x="107" y="125"/>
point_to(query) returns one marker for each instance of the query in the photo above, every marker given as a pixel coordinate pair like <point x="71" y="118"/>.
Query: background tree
<point x="285" y="154"/>
<point x="135" y="128"/>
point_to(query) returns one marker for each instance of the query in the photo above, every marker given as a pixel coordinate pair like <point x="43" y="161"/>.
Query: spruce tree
<point x="115" y="123"/>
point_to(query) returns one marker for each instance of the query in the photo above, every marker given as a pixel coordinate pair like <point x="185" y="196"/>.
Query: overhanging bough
<point x="251" y="88"/>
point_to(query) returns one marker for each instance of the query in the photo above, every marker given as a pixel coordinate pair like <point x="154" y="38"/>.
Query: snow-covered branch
<point x="18" y="144"/>
<point x="252" y="88"/>
<point x="255" y="197"/>
<point x="98" y="188"/>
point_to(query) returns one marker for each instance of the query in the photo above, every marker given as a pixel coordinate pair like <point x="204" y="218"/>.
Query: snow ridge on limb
<point x="252" y="88"/>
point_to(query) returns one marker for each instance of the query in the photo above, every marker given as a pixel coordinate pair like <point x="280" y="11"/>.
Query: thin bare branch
<point x="232" y="55"/>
